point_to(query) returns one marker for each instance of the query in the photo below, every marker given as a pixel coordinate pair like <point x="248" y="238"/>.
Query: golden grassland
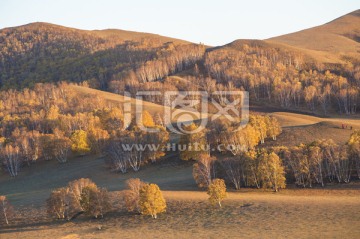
<point x="246" y="214"/>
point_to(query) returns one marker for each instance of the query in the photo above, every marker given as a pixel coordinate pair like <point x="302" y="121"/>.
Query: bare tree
<point x="234" y="170"/>
<point x="12" y="159"/>
<point x="6" y="210"/>
<point x="132" y="194"/>
<point x="204" y="170"/>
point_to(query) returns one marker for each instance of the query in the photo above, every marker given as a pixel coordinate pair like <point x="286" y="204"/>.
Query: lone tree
<point x="132" y="194"/>
<point x="217" y="191"/>
<point x="80" y="143"/>
<point x="6" y="210"/>
<point x="151" y="201"/>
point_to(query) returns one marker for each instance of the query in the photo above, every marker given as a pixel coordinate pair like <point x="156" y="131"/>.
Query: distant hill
<point x="330" y="42"/>
<point x="43" y="52"/>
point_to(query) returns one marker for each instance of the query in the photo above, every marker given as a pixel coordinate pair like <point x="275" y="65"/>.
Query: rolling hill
<point x="328" y="43"/>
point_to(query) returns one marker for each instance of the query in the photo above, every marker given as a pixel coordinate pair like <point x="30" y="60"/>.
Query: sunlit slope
<point x="330" y="42"/>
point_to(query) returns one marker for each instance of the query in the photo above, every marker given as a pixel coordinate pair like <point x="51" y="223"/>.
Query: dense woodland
<point x="51" y="121"/>
<point x="283" y="77"/>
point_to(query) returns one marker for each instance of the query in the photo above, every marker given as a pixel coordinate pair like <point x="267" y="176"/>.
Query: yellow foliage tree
<point x="80" y="142"/>
<point x="147" y="119"/>
<point x="151" y="201"/>
<point x="272" y="171"/>
<point x="217" y="191"/>
<point x="354" y="149"/>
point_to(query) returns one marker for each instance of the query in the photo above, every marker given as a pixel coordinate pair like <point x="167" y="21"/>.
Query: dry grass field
<point x="327" y="43"/>
<point x="245" y="214"/>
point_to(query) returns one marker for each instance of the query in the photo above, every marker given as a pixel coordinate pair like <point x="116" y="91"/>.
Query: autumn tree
<point x="147" y="120"/>
<point x="217" y="191"/>
<point x="98" y="138"/>
<point x="259" y="123"/>
<point x="95" y="201"/>
<point x="80" y="142"/>
<point x="204" y="170"/>
<point x="273" y="127"/>
<point x="62" y="203"/>
<point x="157" y="141"/>
<point x="354" y="148"/>
<point x="272" y="171"/>
<point x="151" y="200"/>
<point x="6" y="209"/>
<point x="132" y="194"/>
<point x="76" y="187"/>
<point x="11" y="159"/>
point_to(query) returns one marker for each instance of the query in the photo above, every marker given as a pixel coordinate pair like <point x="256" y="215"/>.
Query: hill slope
<point x="330" y="42"/>
<point x="43" y="52"/>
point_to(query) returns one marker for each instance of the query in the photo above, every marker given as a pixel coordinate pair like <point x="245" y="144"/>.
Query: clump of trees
<point x="315" y="163"/>
<point x="227" y="137"/>
<point x="144" y="198"/>
<point x="322" y="161"/>
<point x="80" y="196"/>
<point x="255" y="168"/>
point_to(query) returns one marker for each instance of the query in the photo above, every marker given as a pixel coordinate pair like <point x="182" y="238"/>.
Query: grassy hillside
<point x="329" y="43"/>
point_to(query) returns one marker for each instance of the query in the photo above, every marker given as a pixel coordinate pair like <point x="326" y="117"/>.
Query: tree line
<point x="307" y="165"/>
<point x="285" y="78"/>
<point x="53" y="122"/>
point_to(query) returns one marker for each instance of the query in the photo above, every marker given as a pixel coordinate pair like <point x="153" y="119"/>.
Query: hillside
<point x="43" y="52"/>
<point x="329" y="43"/>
